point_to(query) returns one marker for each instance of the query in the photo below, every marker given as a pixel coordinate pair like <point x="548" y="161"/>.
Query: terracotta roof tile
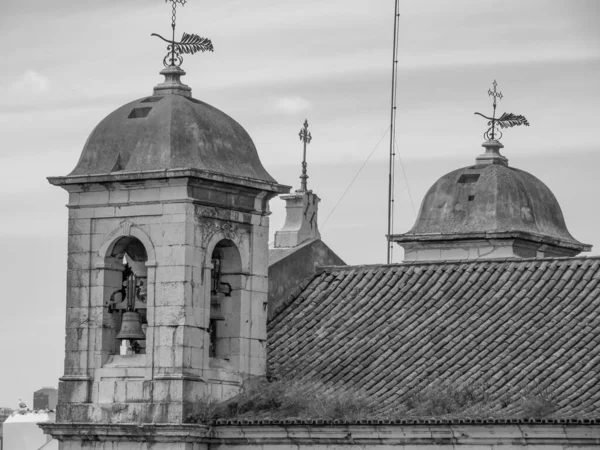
<point x="524" y="323"/>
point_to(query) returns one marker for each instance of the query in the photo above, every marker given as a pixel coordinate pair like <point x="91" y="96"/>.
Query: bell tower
<point x="167" y="262"/>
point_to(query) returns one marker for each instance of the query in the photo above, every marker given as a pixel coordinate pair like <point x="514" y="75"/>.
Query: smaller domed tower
<point x="488" y="210"/>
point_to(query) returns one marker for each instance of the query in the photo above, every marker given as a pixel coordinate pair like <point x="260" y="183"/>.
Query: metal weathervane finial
<point x="305" y="137"/>
<point x="189" y="44"/>
<point x="506" y="120"/>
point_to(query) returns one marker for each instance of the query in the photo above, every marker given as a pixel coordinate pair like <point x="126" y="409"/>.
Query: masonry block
<point x="78" y="260"/>
<point x="170" y="233"/>
<point x="169" y="315"/>
<point x="79" y="243"/>
<point x="107" y="211"/>
<point x="258" y="348"/>
<point x="173" y="193"/>
<point x="196" y="316"/>
<point x="258" y="327"/>
<point x="135" y="210"/>
<point x="79" y="226"/>
<point x="174" y="255"/>
<point x="77" y="212"/>
<point x="93" y="198"/>
<point x="73" y="391"/>
<point x="106" y="390"/>
<point x="78" y="296"/>
<point x="179" y="273"/>
<point x="167" y="356"/>
<point x="104" y="226"/>
<point x="118" y="196"/>
<point x="186" y="209"/>
<point x="129" y="391"/>
<point x="144" y="195"/>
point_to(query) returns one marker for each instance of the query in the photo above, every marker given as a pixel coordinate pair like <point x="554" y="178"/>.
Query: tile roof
<point x="416" y="421"/>
<point x="517" y="325"/>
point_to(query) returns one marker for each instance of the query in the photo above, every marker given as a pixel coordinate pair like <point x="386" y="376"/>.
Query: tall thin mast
<point x="390" y="227"/>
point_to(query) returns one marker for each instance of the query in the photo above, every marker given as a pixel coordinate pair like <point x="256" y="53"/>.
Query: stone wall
<point x="173" y="226"/>
<point x="288" y="267"/>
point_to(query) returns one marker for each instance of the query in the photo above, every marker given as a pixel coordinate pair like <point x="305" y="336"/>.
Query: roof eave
<point x="503" y="235"/>
<point x="270" y="186"/>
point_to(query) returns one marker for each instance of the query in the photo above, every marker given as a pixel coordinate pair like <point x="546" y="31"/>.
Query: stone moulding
<point x="409" y="238"/>
<point x="170" y="173"/>
<point x="482" y="435"/>
<point x="126" y="432"/>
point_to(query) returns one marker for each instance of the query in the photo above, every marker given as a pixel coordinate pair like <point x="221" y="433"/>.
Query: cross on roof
<point x="305" y="137"/>
<point x="506" y="120"/>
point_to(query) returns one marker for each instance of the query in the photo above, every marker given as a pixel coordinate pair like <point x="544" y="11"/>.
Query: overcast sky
<point x="66" y="65"/>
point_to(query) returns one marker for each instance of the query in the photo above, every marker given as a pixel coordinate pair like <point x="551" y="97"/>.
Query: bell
<point x="131" y="327"/>
<point x="215" y="306"/>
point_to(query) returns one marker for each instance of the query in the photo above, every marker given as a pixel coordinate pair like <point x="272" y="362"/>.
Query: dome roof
<point x="491" y="200"/>
<point x="170" y="130"/>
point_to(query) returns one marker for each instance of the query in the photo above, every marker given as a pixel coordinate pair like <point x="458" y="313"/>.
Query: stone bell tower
<point x="167" y="263"/>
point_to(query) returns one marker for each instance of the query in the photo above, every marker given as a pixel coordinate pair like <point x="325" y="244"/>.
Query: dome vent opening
<point x="468" y="178"/>
<point x="139" y="113"/>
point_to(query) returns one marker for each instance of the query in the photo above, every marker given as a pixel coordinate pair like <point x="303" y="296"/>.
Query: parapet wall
<point x="316" y="435"/>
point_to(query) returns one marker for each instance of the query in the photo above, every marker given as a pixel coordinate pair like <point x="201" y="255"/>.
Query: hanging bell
<point x="215" y="306"/>
<point x="131" y="327"/>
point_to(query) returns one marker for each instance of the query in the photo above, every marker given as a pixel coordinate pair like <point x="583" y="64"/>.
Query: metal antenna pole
<point x="392" y="123"/>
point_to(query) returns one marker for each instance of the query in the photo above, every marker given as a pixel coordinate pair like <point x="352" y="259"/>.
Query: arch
<point x="125" y="229"/>
<point x="219" y="237"/>
<point x="231" y="255"/>
<point x="126" y="262"/>
<point x="225" y="299"/>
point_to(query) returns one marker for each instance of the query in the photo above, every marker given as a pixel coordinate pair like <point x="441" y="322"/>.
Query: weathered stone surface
<point x="74" y="390"/>
<point x="301" y="217"/>
<point x="178" y="132"/>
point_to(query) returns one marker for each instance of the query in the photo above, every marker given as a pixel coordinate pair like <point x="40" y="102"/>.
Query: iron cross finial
<point x="189" y="44"/>
<point x="494" y="93"/>
<point x="305" y="137"/>
<point x="506" y="120"/>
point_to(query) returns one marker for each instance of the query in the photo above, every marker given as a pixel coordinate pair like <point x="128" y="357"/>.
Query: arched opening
<point x="225" y="298"/>
<point x="125" y="294"/>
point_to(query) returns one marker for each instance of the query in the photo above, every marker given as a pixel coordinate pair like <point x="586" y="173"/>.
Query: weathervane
<point x="189" y="44"/>
<point x="506" y="120"/>
<point x="305" y="137"/>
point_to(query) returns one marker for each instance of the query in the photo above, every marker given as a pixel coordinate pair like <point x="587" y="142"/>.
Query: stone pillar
<point x="300" y="221"/>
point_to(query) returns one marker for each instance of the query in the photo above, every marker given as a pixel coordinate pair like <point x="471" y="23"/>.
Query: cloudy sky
<point x="66" y="65"/>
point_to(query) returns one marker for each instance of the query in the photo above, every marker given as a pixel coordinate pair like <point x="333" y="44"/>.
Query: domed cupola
<point x="170" y="130"/>
<point x="489" y="210"/>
